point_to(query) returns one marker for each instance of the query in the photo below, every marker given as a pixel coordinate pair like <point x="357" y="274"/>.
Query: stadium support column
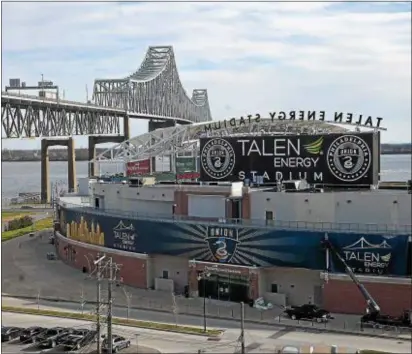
<point x="45" y="185"/>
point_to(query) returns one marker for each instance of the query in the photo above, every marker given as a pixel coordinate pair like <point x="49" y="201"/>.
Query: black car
<point x="50" y="337"/>
<point x="119" y="343"/>
<point x="308" y="312"/>
<point x="10" y="333"/>
<point x="78" y="339"/>
<point x="29" y="334"/>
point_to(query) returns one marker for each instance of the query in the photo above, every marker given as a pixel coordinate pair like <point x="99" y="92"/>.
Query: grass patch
<point x="10" y="215"/>
<point x="116" y="320"/>
<point x="39" y="225"/>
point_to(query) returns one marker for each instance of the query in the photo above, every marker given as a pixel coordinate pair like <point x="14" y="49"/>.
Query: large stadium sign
<point x="326" y="159"/>
<point x="322" y="116"/>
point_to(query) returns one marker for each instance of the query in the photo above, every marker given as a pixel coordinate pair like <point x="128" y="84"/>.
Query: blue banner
<point x="248" y="246"/>
<point x="370" y="254"/>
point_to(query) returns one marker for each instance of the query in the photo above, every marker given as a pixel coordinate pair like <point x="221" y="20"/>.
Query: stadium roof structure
<point x="184" y="139"/>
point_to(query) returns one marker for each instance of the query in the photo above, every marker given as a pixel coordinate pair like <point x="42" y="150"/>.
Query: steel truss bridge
<point x="153" y="92"/>
<point x="155" y="88"/>
<point x="184" y="140"/>
<point x="32" y="116"/>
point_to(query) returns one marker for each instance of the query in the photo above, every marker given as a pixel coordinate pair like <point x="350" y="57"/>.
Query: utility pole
<point x="242" y="327"/>
<point x="98" y="298"/>
<point x="110" y="308"/>
<point x="113" y="269"/>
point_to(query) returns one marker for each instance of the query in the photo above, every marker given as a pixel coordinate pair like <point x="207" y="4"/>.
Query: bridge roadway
<point x="29" y="100"/>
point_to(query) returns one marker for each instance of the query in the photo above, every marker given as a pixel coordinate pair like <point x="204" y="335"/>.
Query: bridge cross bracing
<point x="154" y="89"/>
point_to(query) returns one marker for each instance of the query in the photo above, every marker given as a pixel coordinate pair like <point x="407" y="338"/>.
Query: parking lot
<point x="18" y="346"/>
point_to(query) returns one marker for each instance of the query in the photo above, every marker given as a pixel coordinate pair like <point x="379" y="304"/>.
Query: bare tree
<point x="128" y="300"/>
<point x="82" y="300"/>
<point x="175" y="308"/>
<point x="38" y="299"/>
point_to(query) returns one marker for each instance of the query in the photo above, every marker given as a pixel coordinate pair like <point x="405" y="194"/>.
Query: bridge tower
<point x="71" y="160"/>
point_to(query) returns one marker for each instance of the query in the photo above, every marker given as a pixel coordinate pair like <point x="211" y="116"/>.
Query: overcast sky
<point x="252" y="57"/>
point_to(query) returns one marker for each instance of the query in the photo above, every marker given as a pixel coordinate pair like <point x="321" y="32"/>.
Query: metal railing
<point x="259" y="223"/>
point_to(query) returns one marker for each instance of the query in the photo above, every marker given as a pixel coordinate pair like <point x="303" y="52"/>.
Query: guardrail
<point x="260" y="223"/>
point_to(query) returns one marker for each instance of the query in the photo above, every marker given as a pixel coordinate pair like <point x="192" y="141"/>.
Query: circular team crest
<point x="349" y="158"/>
<point x="218" y="158"/>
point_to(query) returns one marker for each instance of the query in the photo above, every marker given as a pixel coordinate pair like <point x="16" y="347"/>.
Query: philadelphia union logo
<point x="349" y="158"/>
<point x="218" y="158"/>
<point x="222" y="242"/>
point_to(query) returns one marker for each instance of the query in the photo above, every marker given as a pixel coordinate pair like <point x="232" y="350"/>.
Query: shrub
<point x="19" y="223"/>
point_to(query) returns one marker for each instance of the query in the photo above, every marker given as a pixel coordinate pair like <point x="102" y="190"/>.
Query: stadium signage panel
<point x="329" y="159"/>
<point x="135" y="168"/>
<point x="323" y="116"/>
<point x="185" y="164"/>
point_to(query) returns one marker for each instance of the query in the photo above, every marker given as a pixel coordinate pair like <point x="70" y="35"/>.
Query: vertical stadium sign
<point x="329" y="159"/>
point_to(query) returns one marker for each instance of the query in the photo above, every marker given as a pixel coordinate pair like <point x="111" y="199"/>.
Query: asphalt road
<point x="256" y="341"/>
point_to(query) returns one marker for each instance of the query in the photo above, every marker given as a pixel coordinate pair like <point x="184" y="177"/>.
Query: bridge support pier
<point x="71" y="160"/>
<point x="157" y="124"/>
<point x="95" y="140"/>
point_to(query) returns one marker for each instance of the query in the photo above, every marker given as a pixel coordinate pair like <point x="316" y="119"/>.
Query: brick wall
<point x="343" y="296"/>
<point x="133" y="270"/>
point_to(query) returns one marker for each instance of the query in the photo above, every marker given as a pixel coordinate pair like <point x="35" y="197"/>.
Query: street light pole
<point x="202" y="276"/>
<point x="97" y="263"/>
<point x="204" y="304"/>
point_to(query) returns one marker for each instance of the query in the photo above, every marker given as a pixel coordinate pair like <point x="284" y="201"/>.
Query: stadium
<point x="238" y="209"/>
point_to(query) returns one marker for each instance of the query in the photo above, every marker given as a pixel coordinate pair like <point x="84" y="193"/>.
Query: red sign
<point x="188" y="175"/>
<point x="135" y="168"/>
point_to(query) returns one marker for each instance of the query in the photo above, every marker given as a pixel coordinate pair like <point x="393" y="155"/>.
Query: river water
<point x="18" y="177"/>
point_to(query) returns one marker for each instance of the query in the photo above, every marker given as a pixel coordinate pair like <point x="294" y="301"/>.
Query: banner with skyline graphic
<point x="370" y="254"/>
<point x="240" y="245"/>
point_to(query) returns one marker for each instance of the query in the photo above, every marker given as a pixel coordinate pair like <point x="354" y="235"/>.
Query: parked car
<point x="78" y="339"/>
<point x="51" y="256"/>
<point x="50" y="337"/>
<point x="10" y="333"/>
<point x="118" y="344"/>
<point x="289" y="350"/>
<point x="308" y="312"/>
<point x="29" y="334"/>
